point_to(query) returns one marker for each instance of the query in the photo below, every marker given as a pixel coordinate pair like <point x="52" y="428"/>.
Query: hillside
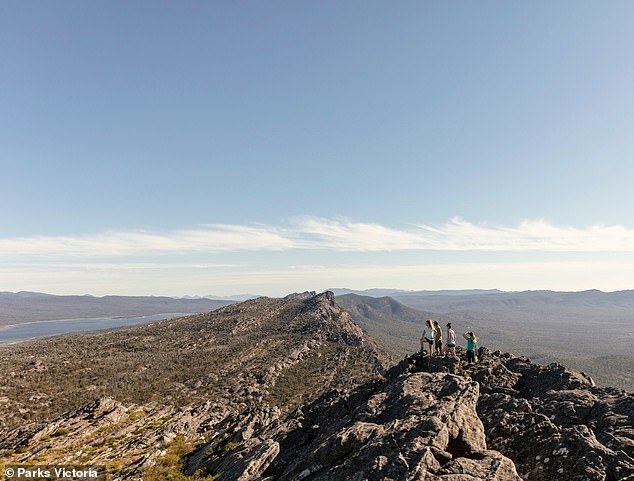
<point x="550" y="326"/>
<point x="544" y="326"/>
<point x="292" y="389"/>
<point x="542" y="306"/>
<point x="149" y="381"/>
<point x="21" y="307"/>
<point x="395" y="326"/>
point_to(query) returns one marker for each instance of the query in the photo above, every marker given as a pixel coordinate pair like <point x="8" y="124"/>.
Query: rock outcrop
<point x="503" y="418"/>
<point x="554" y="422"/>
<point x="417" y="425"/>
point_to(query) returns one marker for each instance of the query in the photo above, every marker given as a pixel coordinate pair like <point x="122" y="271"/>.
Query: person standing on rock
<point x="472" y="342"/>
<point x="428" y="336"/>
<point x="451" y="341"/>
<point x="437" y="338"/>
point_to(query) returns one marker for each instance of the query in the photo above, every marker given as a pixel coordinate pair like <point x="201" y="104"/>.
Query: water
<point x="31" y="330"/>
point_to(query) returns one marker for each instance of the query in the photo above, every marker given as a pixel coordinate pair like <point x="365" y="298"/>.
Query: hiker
<point x="437" y="338"/>
<point x="472" y="341"/>
<point x="428" y="336"/>
<point x="451" y="341"/>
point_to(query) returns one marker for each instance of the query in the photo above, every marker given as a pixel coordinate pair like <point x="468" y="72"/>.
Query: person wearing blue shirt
<point x="472" y="342"/>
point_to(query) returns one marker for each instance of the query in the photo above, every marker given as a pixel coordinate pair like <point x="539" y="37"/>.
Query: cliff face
<point x="321" y="407"/>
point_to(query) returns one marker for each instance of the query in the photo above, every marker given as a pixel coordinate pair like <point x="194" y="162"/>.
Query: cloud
<point x="354" y="236"/>
<point x="212" y="238"/>
<point x="534" y="235"/>
<point x="326" y="234"/>
<point x="460" y="235"/>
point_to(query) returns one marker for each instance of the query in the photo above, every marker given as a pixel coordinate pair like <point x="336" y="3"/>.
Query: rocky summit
<point x="291" y="389"/>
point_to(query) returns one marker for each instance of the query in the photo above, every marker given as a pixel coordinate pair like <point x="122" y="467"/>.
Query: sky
<point x="197" y="148"/>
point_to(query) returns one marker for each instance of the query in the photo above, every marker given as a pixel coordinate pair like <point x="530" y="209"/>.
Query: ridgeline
<point x="293" y="389"/>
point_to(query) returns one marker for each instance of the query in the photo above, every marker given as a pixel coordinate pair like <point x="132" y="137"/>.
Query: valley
<point x="590" y="331"/>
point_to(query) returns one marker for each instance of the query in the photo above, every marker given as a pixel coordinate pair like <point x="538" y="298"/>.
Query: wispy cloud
<point x="460" y="235"/>
<point x="211" y="238"/>
<point x="530" y="235"/>
<point x="328" y="234"/>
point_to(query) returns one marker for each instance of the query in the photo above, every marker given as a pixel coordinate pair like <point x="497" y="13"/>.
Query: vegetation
<point x="287" y="352"/>
<point x="223" y="355"/>
<point x="170" y="466"/>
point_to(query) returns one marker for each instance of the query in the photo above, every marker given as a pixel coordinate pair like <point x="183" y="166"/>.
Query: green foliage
<point x="231" y="446"/>
<point x="134" y="416"/>
<point x="220" y="447"/>
<point x="169" y="467"/>
<point x="462" y="370"/>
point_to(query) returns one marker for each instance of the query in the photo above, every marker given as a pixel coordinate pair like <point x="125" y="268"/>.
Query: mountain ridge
<point x="16" y="308"/>
<point x="292" y="389"/>
<point x="169" y="358"/>
<point x="382" y="292"/>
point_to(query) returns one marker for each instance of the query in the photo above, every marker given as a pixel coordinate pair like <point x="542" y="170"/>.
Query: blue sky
<point x="223" y="147"/>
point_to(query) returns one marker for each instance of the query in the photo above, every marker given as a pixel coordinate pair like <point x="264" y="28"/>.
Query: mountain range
<point x="293" y="389"/>
<point x="378" y="292"/>
<point x="545" y="326"/>
<point x="18" y="307"/>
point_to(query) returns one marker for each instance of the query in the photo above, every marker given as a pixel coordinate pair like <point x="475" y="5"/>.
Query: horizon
<point x="243" y="296"/>
<point x="179" y="149"/>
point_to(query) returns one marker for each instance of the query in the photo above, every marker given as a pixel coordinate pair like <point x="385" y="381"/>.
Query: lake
<point x="36" y="329"/>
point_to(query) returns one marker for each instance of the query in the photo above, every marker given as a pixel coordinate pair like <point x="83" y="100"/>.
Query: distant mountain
<point x="21" y="307"/>
<point x="401" y="292"/>
<point x="236" y="297"/>
<point x="395" y="326"/>
<point x="546" y="326"/>
<point x="367" y="292"/>
<point x="540" y="306"/>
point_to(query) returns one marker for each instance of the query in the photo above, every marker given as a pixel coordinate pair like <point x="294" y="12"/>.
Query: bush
<point x="170" y="466"/>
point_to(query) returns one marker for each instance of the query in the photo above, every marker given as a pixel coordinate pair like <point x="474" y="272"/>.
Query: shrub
<point x="169" y="467"/>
